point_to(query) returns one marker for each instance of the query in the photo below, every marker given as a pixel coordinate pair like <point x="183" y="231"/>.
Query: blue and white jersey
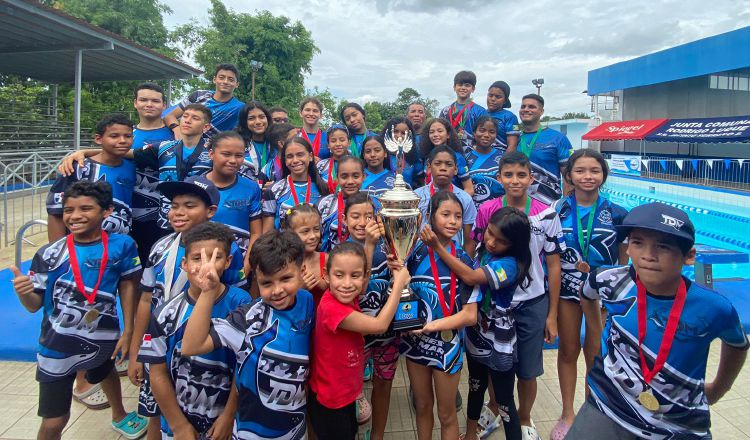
<point x="376" y="294"/>
<point x="324" y="169"/>
<point x="146" y="198"/>
<point x="164" y="278"/>
<point x="272" y="172"/>
<point x="239" y="204"/>
<point x="470" y="209"/>
<point x="377" y="184"/>
<point x="202" y="382"/>
<point x="279" y="198"/>
<point x="483" y="168"/>
<point x="548" y="155"/>
<point x="492" y="341"/>
<point x="604" y="247"/>
<point x="122" y="180"/>
<point x="616" y="379"/>
<point x="429" y="348"/>
<point x="467" y="121"/>
<point x="224" y="115"/>
<point x="175" y="163"/>
<point x="67" y="343"/>
<point x="323" y="152"/>
<point x="507" y="124"/>
<point x="272" y="348"/>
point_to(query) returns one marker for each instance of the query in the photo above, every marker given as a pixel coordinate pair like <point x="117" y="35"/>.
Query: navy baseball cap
<point x="659" y="217"/>
<point x="198" y="185"/>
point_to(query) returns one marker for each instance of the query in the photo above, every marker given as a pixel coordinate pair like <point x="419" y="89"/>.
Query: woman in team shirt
<point x="300" y="184"/>
<point x="311" y="110"/>
<point x="253" y="127"/>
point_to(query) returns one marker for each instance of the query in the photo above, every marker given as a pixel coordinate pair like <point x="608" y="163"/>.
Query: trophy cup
<point x="401" y="219"/>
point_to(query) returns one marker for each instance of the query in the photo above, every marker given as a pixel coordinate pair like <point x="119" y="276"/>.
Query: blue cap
<point x="661" y="218"/>
<point x="198" y="185"/>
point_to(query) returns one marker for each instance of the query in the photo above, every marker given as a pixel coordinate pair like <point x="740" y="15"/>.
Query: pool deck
<point x="19" y="391"/>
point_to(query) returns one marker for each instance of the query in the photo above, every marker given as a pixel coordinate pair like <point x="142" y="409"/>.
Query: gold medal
<point x="648" y="401"/>
<point x="446" y="335"/>
<point x="583" y="267"/>
<point x="91" y="316"/>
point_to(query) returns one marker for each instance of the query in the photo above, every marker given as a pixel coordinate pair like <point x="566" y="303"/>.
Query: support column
<point x="77" y="100"/>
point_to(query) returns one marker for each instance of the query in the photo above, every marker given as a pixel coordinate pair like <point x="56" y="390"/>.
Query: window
<point x="730" y="81"/>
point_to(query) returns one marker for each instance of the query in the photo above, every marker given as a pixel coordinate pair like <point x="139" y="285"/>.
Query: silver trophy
<point x="401" y="219"/>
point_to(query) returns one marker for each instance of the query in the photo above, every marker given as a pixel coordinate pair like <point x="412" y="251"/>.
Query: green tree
<point x="286" y="50"/>
<point x="575" y="115"/>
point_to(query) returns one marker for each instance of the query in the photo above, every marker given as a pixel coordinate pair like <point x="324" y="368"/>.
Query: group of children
<point x="264" y="300"/>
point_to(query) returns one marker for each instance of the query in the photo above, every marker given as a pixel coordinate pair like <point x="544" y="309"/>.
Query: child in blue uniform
<point x="77" y="280"/>
<point x="649" y="376"/>
<point x="338" y="147"/>
<point x="353" y="116"/>
<point x="239" y="206"/>
<point x="331" y="207"/>
<point x="434" y="355"/>
<point x="270" y="339"/>
<point x="588" y="225"/>
<point x="439" y="132"/>
<point x="301" y="183"/>
<point x="379" y="177"/>
<point x="255" y="121"/>
<point x="178" y="380"/>
<point x="397" y="128"/>
<point x="484" y="161"/>
<point x="498" y="103"/>
<point x="464" y="112"/>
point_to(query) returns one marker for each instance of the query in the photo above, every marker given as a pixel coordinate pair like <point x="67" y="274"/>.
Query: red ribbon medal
<point x="294" y="190"/>
<point x="340" y="213"/>
<point x="445" y="335"/>
<point x="92" y="314"/>
<point x="316" y="142"/>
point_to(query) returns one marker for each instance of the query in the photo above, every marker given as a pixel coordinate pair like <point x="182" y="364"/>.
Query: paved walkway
<point x="18" y="406"/>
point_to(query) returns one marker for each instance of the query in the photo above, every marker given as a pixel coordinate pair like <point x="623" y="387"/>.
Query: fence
<point x="710" y="172"/>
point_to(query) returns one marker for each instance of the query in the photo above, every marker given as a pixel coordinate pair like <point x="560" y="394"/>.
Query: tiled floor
<point x="18" y="406"/>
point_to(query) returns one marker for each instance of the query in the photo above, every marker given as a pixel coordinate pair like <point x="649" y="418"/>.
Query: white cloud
<point x="370" y="50"/>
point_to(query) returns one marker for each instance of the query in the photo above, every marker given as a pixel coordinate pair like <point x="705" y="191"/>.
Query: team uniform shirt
<point x="175" y="163"/>
<point x="546" y="239"/>
<point x="325" y="172"/>
<point x="604" y="247"/>
<point x="377" y="184"/>
<point x="376" y="294"/>
<point x="429" y="348"/>
<point x="470" y="210"/>
<point x="492" y="340"/>
<point x="201" y="382"/>
<point x="548" y="155"/>
<point x="224" y="115"/>
<point x="616" y="378"/>
<point x="164" y="278"/>
<point x="272" y="348"/>
<point x="146" y="198"/>
<point x="323" y="152"/>
<point x="67" y="343"/>
<point x="355" y="147"/>
<point x="338" y="359"/>
<point x="122" y="180"/>
<point x="239" y="204"/>
<point x="483" y="168"/>
<point x="466" y="124"/>
<point x="272" y="172"/>
<point x="507" y="125"/>
<point x="279" y="198"/>
<point x="329" y="224"/>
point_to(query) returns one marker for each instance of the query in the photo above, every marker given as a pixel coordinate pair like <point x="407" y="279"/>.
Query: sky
<point x="371" y="50"/>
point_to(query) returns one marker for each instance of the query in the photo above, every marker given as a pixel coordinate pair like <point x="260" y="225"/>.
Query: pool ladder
<point x="20" y="240"/>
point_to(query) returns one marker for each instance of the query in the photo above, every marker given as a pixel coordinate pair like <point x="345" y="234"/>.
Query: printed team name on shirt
<point x="239" y="204"/>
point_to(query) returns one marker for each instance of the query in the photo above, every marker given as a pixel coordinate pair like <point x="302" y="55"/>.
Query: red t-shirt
<point x="338" y="357"/>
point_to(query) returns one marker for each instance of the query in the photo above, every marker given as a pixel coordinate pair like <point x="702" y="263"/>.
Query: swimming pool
<point x="720" y="217"/>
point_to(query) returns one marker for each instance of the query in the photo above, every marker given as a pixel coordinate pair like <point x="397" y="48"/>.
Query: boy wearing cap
<point x="498" y="101"/>
<point x="193" y="202"/>
<point x="650" y="378"/>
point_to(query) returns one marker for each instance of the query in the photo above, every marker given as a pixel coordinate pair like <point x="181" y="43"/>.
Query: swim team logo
<point x="671" y="221"/>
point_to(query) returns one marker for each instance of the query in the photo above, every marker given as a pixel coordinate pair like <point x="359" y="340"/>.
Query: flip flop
<point x="132" y="426"/>
<point x="93" y="398"/>
<point x="559" y="431"/>
<point x="122" y="369"/>
<point x="364" y="410"/>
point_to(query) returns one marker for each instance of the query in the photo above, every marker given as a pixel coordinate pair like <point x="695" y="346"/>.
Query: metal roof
<point x="40" y="42"/>
<point x="719" y="53"/>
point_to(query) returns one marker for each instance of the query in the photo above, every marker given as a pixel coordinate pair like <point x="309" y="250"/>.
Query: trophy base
<point x="407" y="315"/>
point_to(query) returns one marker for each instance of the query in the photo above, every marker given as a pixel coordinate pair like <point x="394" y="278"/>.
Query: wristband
<point x="173" y="125"/>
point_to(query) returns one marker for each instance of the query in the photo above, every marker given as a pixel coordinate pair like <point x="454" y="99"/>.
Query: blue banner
<point x="703" y="130"/>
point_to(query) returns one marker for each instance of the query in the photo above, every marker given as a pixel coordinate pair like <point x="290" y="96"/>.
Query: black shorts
<point x="55" y="397"/>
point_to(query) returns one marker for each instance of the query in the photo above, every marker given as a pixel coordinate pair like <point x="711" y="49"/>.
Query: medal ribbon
<point x="263" y="155"/>
<point x="526" y="209"/>
<point x="339" y="214"/>
<point x="457" y="118"/>
<point x="353" y="147"/>
<point x="294" y="190"/>
<point x="432" y="189"/>
<point x="316" y="142"/>
<point x="332" y="171"/>
<point x="447" y="311"/>
<point x="525" y="147"/>
<point x="669" y="331"/>
<point x="77" y="269"/>
<point x="584" y="239"/>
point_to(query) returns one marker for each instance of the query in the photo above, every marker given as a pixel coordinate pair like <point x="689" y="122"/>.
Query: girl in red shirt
<point x="338" y="358"/>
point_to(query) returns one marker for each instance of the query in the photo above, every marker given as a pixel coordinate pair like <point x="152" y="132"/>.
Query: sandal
<point x="132" y="426"/>
<point x="364" y="410"/>
<point x="559" y="431"/>
<point x="462" y="436"/>
<point x="122" y="369"/>
<point x="93" y="398"/>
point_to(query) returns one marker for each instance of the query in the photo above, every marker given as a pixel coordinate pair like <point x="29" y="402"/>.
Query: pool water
<point x="717" y="216"/>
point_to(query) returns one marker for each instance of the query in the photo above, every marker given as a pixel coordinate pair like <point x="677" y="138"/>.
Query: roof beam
<point x="56" y="48"/>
